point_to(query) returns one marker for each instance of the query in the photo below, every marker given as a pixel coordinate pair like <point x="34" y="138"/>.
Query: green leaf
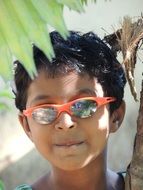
<point x="35" y="27"/>
<point x="73" y="4"/>
<point x="6" y="93"/>
<point x="16" y="37"/>
<point x="5" y="59"/>
<point x="23" y="23"/>
<point x="85" y="1"/>
<point x="6" y="97"/>
<point x="1" y="185"/>
<point x="52" y="13"/>
<point x="4" y="106"/>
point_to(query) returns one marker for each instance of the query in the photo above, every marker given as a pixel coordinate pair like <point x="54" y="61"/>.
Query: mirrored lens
<point x="84" y="108"/>
<point x="44" y="115"/>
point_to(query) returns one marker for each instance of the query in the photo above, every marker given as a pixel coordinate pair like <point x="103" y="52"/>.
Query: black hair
<point x="83" y="53"/>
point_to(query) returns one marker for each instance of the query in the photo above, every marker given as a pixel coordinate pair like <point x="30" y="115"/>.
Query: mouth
<point x="70" y="148"/>
<point x="69" y="143"/>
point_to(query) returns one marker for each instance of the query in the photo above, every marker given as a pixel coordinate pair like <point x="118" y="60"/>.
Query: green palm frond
<point x="24" y="23"/>
<point x="6" y="96"/>
<point x="15" y="36"/>
<point x="1" y="185"/>
<point x="5" y="58"/>
<point x="76" y="5"/>
<point x="85" y="1"/>
<point x="5" y="93"/>
<point x="52" y="13"/>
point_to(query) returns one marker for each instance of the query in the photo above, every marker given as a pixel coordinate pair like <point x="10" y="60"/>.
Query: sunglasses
<point x="81" y="108"/>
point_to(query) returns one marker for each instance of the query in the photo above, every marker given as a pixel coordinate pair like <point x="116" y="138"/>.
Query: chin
<point x="70" y="167"/>
<point x="72" y="164"/>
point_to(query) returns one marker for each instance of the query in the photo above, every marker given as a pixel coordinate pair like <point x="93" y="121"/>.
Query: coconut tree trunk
<point x="134" y="177"/>
<point x="128" y="39"/>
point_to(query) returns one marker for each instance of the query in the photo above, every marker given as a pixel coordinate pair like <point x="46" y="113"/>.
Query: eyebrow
<point x="79" y="92"/>
<point x="87" y="91"/>
<point x="40" y="97"/>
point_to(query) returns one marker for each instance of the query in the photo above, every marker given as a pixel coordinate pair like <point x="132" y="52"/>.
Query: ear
<point x="117" y="117"/>
<point x="24" y="123"/>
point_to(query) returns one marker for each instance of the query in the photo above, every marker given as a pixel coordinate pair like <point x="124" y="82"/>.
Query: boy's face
<point x="69" y="142"/>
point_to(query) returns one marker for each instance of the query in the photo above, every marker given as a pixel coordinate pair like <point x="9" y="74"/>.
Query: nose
<point x="64" y="122"/>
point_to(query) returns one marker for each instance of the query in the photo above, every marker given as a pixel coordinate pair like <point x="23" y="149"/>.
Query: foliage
<point x="1" y="185"/>
<point x="5" y="98"/>
<point x="24" y="23"/>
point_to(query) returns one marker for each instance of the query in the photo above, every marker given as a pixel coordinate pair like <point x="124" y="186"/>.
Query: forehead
<point x="63" y="87"/>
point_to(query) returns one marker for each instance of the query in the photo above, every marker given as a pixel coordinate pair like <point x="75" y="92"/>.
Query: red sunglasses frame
<point x="65" y="107"/>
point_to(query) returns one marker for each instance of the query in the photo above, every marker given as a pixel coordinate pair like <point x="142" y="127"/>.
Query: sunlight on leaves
<point x="6" y="96"/>
<point x="24" y="23"/>
<point x="74" y="4"/>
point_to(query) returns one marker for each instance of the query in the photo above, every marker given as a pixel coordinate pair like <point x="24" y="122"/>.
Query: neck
<point x="91" y="177"/>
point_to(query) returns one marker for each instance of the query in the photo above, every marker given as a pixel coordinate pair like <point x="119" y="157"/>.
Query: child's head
<point x="83" y="67"/>
<point x="82" y="54"/>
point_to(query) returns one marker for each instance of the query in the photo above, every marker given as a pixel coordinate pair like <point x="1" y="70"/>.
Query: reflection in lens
<point x="44" y="115"/>
<point x="84" y="108"/>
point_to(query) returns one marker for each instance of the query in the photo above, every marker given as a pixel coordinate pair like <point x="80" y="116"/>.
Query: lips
<point x="69" y="148"/>
<point x="69" y="143"/>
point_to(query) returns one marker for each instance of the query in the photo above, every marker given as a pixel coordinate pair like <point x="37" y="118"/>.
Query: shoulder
<point x="116" y="180"/>
<point x="122" y="174"/>
<point x="23" y="187"/>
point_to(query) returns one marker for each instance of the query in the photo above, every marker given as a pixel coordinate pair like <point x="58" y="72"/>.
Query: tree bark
<point x="127" y="40"/>
<point x="134" y="177"/>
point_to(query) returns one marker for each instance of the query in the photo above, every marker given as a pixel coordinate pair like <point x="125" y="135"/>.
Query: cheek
<point x="42" y="141"/>
<point x="40" y="133"/>
<point x="103" y="119"/>
<point x="99" y="142"/>
<point x="99" y="132"/>
<point x="103" y="125"/>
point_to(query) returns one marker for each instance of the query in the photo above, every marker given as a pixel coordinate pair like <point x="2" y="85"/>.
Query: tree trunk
<point x="127" y="40"/>
<point x="134" y="177"/>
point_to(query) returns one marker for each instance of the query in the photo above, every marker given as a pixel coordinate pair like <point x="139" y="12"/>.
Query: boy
<point x="69" y="110"/>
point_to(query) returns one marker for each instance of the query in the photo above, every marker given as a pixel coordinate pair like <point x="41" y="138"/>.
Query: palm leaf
<point x="85" y="1"/>
<point x="5" y="59"/>
<point x="23" y="23"/>
<point x="5" y="93"/>
<point x="33" y="25"/>
<point x="1" y="185"/>
<point x="49" y="12"/>
<point x="74" y="4"/>
<point x="15" y="36"/>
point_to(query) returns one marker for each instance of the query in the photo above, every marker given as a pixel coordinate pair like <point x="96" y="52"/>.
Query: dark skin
<point x="79" y="167"/>
<point x="114" y="182"/>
